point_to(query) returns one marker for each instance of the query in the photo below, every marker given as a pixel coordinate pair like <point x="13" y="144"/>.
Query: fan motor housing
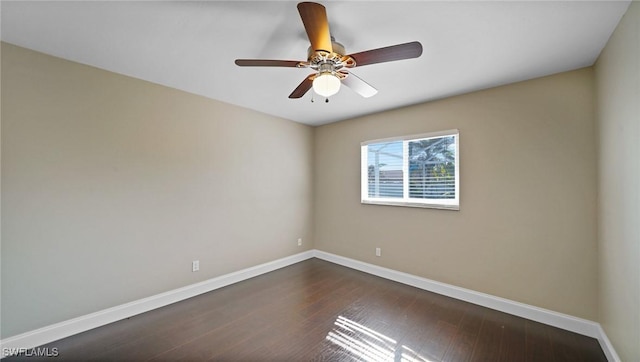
<point x="336" y="58"/>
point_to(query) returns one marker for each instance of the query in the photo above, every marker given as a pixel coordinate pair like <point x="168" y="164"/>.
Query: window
<point x="419" y="170"/>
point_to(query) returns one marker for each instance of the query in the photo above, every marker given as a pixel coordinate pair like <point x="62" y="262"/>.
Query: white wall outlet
<point x="195" y="265"/>
<point x="378" y="251"/>
<point x="299" y="241"/>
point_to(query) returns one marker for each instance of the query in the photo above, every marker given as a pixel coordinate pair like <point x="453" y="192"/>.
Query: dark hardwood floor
<point x="319" y="311"/>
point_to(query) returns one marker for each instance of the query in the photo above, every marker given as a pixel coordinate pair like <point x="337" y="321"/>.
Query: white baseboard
<point x="84" y="323"/>
<point x="606" y="346"/>
<point x="549" y="317"/>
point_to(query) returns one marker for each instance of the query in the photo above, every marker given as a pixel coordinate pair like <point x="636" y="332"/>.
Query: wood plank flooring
<point x="319" y="311"/>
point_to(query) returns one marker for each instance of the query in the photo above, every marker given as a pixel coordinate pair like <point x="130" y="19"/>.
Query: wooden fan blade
<point x="303" y="88"/>
<point x="388" y="54"/>
<point x="314" y="18"/>
<point x="267" y="63"/>
<point x="359" y="86"/>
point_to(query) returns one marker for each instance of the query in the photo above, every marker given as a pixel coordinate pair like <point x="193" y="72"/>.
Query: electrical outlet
<point x="378" y="251"/>
<point x="299" y="241"/>
<point x="195" y="265"/>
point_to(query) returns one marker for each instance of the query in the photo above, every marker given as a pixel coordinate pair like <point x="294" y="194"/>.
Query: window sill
<point x="411" y="204"/>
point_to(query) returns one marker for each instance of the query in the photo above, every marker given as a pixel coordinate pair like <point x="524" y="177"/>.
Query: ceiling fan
<point x="329" y="60"/>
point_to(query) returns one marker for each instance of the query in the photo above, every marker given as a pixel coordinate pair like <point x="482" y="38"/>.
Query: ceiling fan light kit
<point x="326" y="83"/>
<point x="327" y="58"/>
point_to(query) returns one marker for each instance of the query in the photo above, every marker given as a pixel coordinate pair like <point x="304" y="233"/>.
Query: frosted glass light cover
<point x="326" y="84"/>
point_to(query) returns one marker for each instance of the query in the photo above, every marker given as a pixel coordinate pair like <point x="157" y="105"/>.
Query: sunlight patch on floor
<point x="367" y="344"/>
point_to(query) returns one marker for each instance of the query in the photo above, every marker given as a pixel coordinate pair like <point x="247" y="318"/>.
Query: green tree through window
<point x="432" y="168"/>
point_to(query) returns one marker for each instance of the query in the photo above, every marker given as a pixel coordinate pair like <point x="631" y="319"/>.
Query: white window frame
<point x="448" y="204"/>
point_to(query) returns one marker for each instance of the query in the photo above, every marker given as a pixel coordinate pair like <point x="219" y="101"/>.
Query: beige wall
<point x="526" y="229"/>
<point x="618" y="95"/>
<point x="111" y="186"/>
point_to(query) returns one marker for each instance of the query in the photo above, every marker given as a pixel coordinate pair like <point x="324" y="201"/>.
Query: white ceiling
<point x="191" y="46"/>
